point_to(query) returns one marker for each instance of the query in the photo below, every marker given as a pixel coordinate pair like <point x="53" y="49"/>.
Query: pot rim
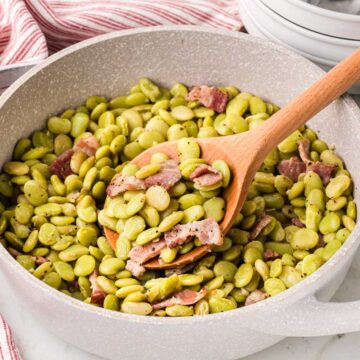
<point x="299" y="291"/>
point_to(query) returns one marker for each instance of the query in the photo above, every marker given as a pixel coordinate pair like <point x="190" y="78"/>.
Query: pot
<point x="109" y="65"/>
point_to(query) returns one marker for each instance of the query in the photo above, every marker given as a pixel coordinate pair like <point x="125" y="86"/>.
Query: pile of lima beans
<point x="79" y="216"/>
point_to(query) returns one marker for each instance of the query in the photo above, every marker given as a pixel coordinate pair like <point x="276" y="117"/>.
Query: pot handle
<point x="312" y="317"/>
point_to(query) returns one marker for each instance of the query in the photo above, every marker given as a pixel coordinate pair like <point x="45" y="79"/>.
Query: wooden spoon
<point x="245" y="152"/>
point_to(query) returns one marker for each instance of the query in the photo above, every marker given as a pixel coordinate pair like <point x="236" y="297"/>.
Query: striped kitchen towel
<point x="8" y="349"/>
<point x="31" y="29"/>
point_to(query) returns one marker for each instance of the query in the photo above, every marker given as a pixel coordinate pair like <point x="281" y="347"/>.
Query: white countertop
<point x="37" y="343"/>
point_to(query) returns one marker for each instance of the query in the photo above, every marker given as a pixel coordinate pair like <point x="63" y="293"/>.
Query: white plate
<point x="317" y="19"/>
<point x="319" y="45"/>
<point x="257" y="28"/>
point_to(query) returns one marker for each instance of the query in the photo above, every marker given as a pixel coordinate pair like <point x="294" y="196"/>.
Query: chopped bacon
<point x="297" y="222"/>
<point x="185" y="297"/>
<point x="168" y="175"/>
<point x="325" y="171"/>
<point x="304" y="149"/>
<point x="121" y="183"/>
<point x="111" y="237"/>
<point x="87" y="145"/>
<point x="271" y="255"/>
<point x="207" y="231"/>
<point x="40" y="260"/>
<point x="135" y="268"/>
<point x="255" y="297"/>
<point x="143" y="253"/>
<point x="61" y="166"/>
<point x="205" y="175"/>
<point x="97" y="294"/>
<point x="292" y="168"/>
<point x="209" y="96"/>
<point x="321" y="243"/>
<point x="180" y="270"/>
<point x="259" y="225"/>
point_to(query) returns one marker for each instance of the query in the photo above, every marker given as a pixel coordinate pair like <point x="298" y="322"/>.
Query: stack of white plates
<point x="321" y="35"/>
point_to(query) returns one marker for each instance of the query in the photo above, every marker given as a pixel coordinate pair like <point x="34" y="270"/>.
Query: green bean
<point x="106" y="285"/>
<point x="330" y="223"/>
<point x="328" y="157"/>
<point x="290" y="143"/>
<point x="237" y="106"/>
<point x="330" y="249"/>
<point x="53" y="279"/>
<point x="73" y="252"/>
<point x="243" y="275"/>
<point x="348" y="222"/>
<point x="225" y="269"/>
<point x="312" y="181"/>
<point x="310" y="263"/>
<point x="337" y="186"/>
<point x="64" y="270"/>
<point x="217" y="305"/>
<point x="168" y="255"/>
<point x="289" y="276"/>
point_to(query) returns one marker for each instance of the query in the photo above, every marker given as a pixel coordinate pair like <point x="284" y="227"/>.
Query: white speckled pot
<point x="109" y="65"/>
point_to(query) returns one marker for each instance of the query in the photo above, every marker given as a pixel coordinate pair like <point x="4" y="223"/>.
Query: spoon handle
<point x="303" y="107"/>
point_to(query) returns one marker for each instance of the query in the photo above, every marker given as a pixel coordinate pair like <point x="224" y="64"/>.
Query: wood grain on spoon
<point x="245" y="152"/>
<point x="111" y="237"/>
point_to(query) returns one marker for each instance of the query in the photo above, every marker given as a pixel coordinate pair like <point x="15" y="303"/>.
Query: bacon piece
<point x="325" y="171"/>
<point x="111" y="237"/>
<point x="209" y="96"/>
<point x="40" y="260"/>
<point x="207" y="231"/>
<point x="143" y="253"/>
<point x="61" y="166"/>
<point x="168" y="175"/>
<point x="271" y="255"/>
<point x="255" y="297"/>
<point x="97" y="294"/>
<point x="185" y="297"/>
<point x="121" y="183"/>
<point x="181" y="261"/>
<point x="259" y="225"/>
<point x="135" y="268"/>
<point x="292" y="168"/>
<point x="297" y="222"/>
<point x="321" y="242"/>
<point x="205" y="175"/>
<point x="304" y="149"/>
<point x="179" y="270"/>
<point x="87" y="145"/>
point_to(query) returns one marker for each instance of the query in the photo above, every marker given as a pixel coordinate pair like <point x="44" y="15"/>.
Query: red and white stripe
<point x="21" y="39"/>
<point x="8" y="349"/>
<point x="29" y="29"/>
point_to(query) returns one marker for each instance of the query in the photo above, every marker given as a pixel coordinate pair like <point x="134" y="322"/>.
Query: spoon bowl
<point x="245" y="152"/>
<point x="234" y="150"/>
